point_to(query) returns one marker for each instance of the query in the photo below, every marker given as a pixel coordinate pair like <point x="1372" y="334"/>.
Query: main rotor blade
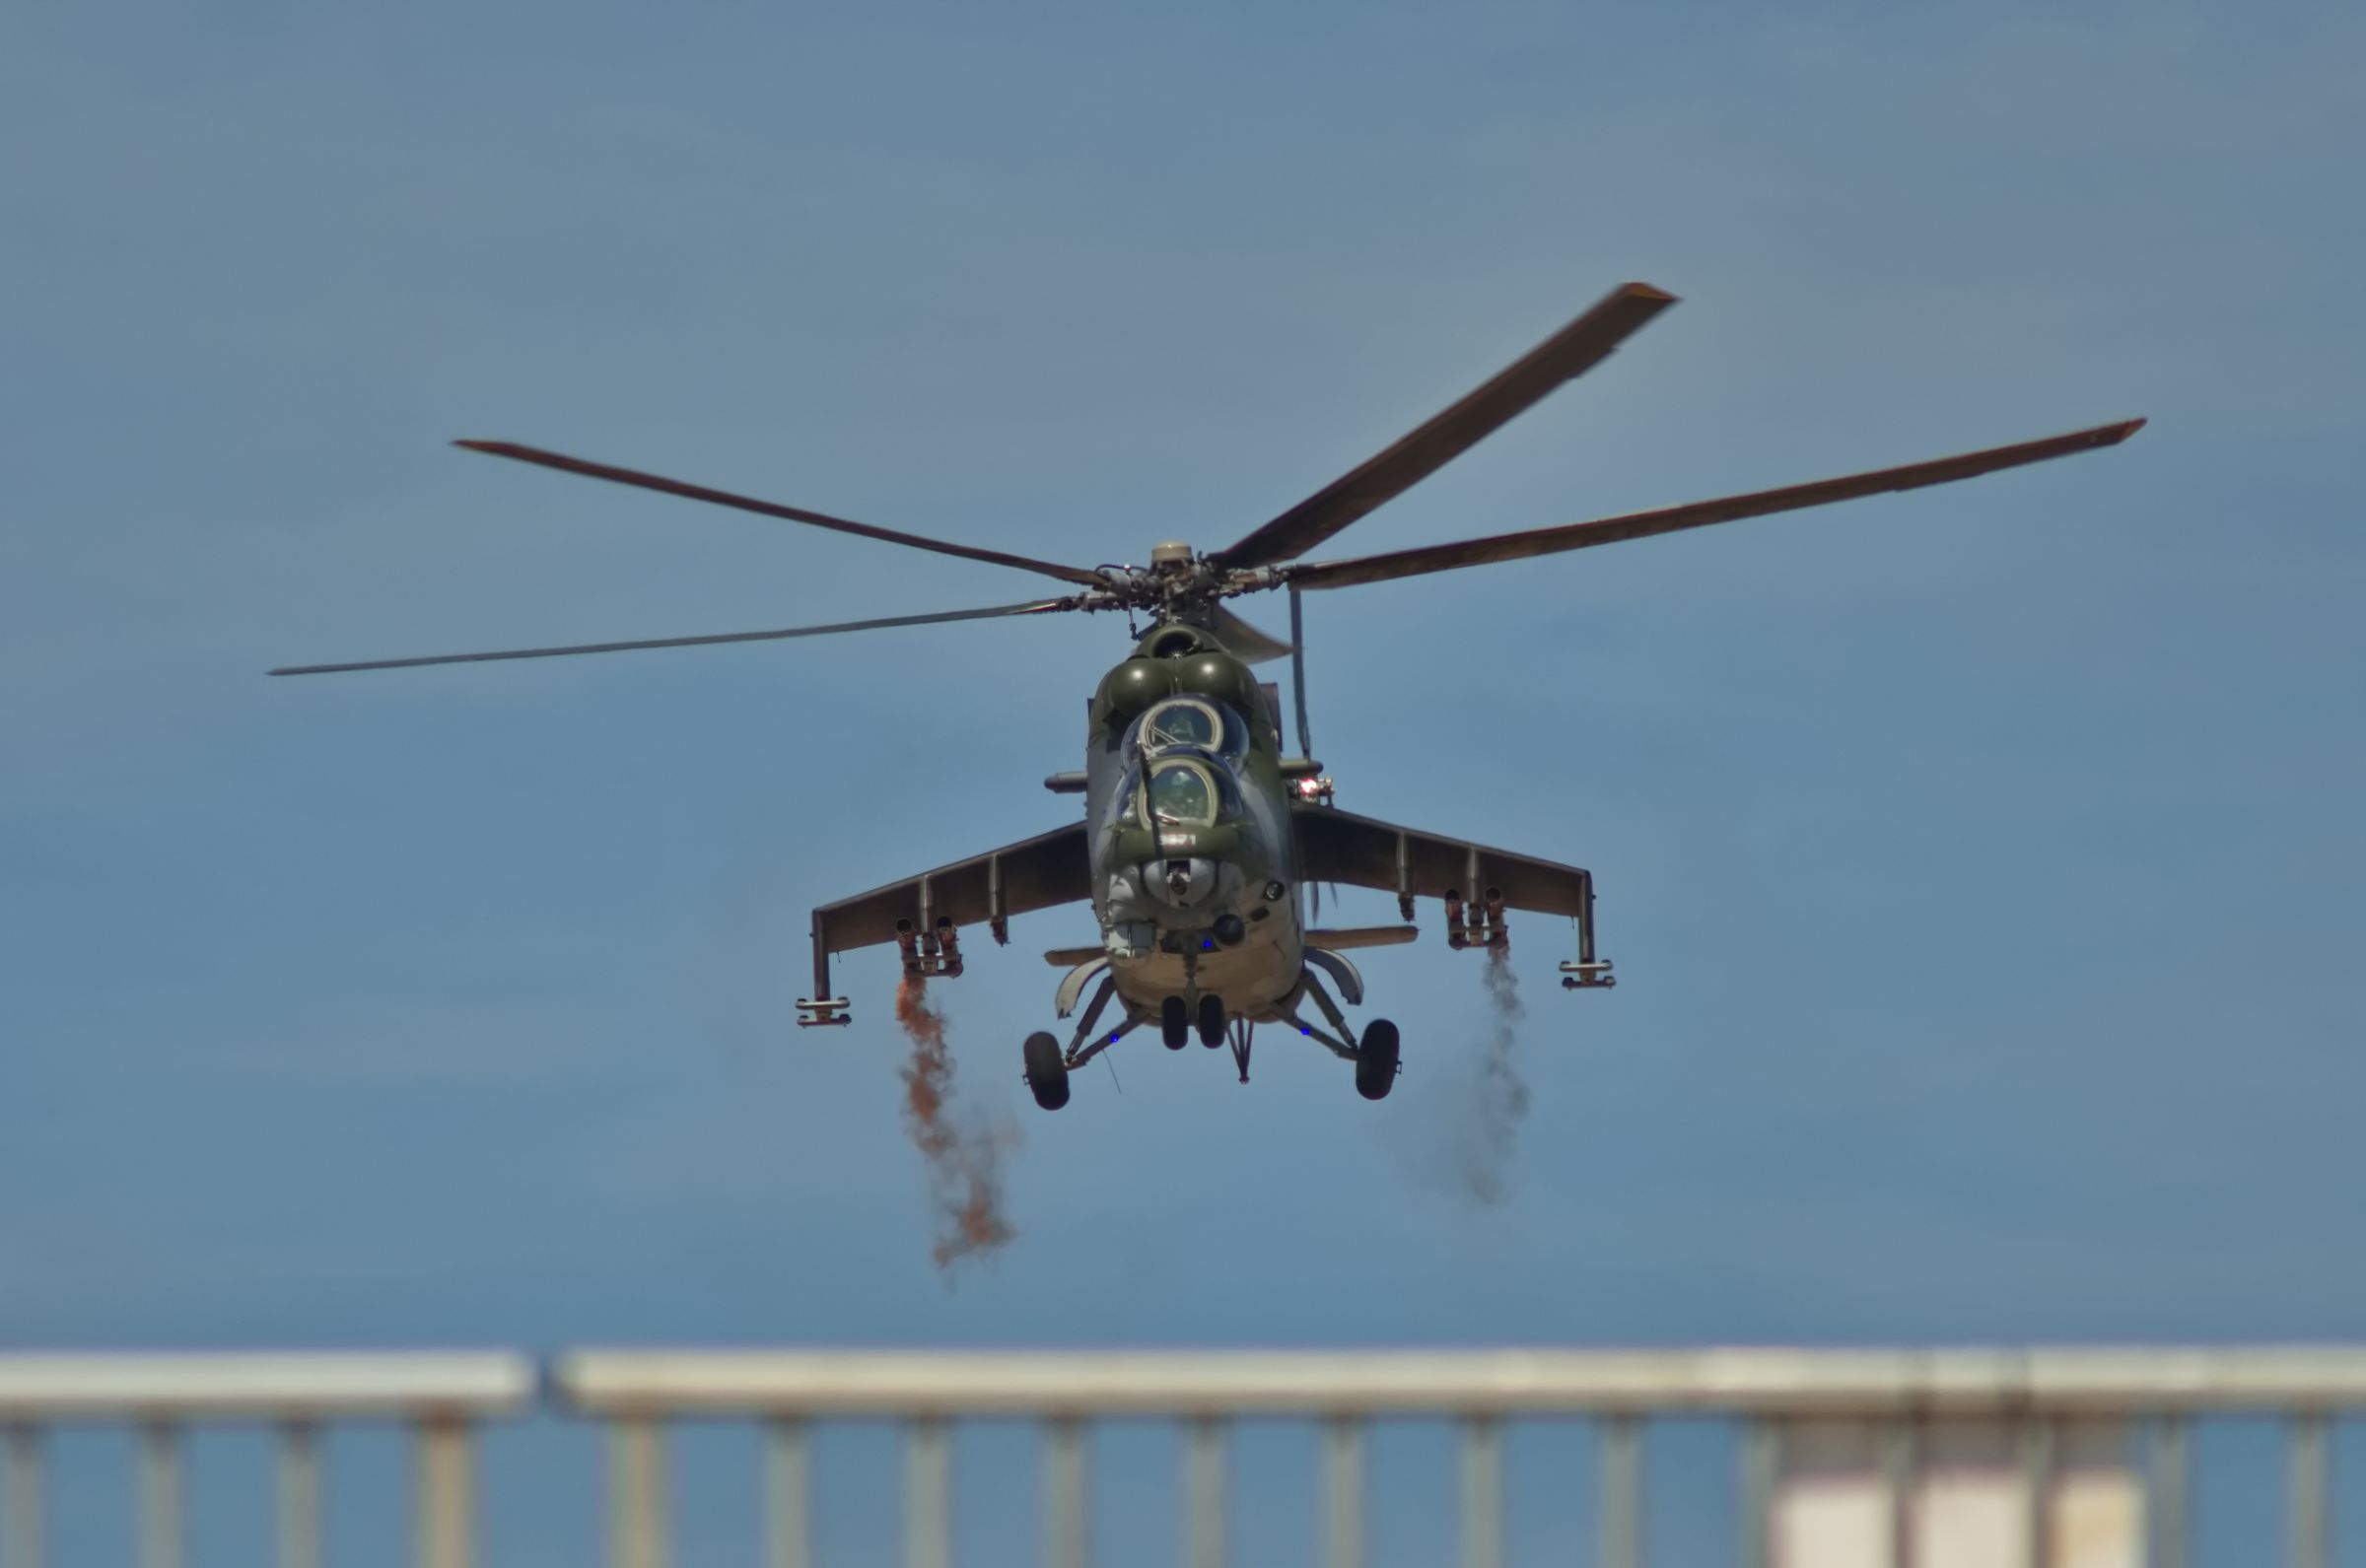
<point x="1244" y="642"/>
<point x="1568" y="353"/>
<point x="1036" y="607"/>
<point x="1696" y="514"/>
<point x="768" y="508"/>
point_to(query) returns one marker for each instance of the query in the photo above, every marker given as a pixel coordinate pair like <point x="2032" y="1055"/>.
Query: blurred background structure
<point x="1952" y="1458"/>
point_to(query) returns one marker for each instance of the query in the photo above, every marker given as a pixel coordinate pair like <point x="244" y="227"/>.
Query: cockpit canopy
<point x="1182" y="792"/>
<point x="1186" y="750"/>
<point x="1194" y="723"/>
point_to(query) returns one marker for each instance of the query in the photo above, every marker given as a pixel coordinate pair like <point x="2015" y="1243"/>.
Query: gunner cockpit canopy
<point x="1182" y="792"/>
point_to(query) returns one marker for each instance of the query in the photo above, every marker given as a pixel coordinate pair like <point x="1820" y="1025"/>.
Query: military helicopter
<point x="1200" y="836"/>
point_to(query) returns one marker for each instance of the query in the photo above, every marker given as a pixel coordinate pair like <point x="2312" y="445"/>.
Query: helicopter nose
<point x="1182" y="882"/>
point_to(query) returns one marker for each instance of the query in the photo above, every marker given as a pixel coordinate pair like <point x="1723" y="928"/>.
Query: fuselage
<point x="1187" y="823"/>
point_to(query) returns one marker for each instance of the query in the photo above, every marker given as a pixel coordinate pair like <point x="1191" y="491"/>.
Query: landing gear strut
<point x="1375" y="1058"/>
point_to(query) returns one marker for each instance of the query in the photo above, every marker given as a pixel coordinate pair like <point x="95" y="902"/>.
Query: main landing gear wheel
<point x="1211" y="1021"/>
<point x="1174" y="1023"/>
<point x="1377" y="1060"/>
<point x="1047" y="1071"/>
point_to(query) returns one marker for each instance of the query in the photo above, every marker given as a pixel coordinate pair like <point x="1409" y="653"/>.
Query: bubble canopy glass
<point x="1190" y="722"/>
<point x="1181" y="791"/>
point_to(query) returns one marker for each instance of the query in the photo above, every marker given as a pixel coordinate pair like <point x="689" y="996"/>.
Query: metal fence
<point x="2045" y="1459"/>
<point x="440" y="1397"/>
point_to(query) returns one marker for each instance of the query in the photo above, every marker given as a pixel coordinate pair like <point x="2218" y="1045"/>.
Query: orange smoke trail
<point x="1500" y="1101"/>
<point x="964" y="1158"/>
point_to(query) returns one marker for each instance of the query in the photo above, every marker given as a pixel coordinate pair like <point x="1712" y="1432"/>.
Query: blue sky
<point x="1980" y="864"/>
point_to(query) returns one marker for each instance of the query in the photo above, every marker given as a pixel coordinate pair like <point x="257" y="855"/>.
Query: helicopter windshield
<point x="1192" y="722"/>
<point x="1181" y="793"/>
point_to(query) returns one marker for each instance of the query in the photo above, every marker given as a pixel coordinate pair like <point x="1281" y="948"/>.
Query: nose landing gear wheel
<point x="1047" y="1071"/>
<point x="1211" y="1021"/>
<point x="1377" y="1060"/>
<point x="1174" y="1023"/>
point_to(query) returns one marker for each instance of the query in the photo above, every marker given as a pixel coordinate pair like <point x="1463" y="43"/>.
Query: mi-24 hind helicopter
<point x="1201" y="836"/>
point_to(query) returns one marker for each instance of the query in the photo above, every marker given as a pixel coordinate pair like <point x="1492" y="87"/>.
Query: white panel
<point x="1967" y="1505"/>
<point x="1970" y="1519"/>
<point x="2099" y="1520"/>
<point x="1830" y="1522"/>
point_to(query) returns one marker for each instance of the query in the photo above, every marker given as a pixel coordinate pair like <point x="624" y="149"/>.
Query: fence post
<point x="927" y="1495"/>
<point x="161" y="1492"/>
<point x="21" y="1489"/>
<point x="1343" y="1490"/>
<point x="2310" y="1535"/>
<point x="443" y="1510"/>
<point x="1207" y="1525"/>
<point x="788" y="1495"/>
<point x="1481" y="1492"/>
<point x="1622" y="1487"/>
<point x="1065" y="1518"/>
<point x="300" y="1511"/>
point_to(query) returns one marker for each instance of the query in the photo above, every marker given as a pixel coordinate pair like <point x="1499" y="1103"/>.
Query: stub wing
<point x="1340" y="847"/>
<point x="926" y="914"/>
<point x="1477" y="884"/>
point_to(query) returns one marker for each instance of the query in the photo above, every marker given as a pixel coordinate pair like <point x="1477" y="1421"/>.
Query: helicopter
<point x="1201" y="836"/>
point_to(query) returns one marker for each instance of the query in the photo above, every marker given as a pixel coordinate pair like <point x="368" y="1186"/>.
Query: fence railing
<point x="1881" y="1458"/>
<point x="2042" y="1459"/>
<point x="440" y="1397"/>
